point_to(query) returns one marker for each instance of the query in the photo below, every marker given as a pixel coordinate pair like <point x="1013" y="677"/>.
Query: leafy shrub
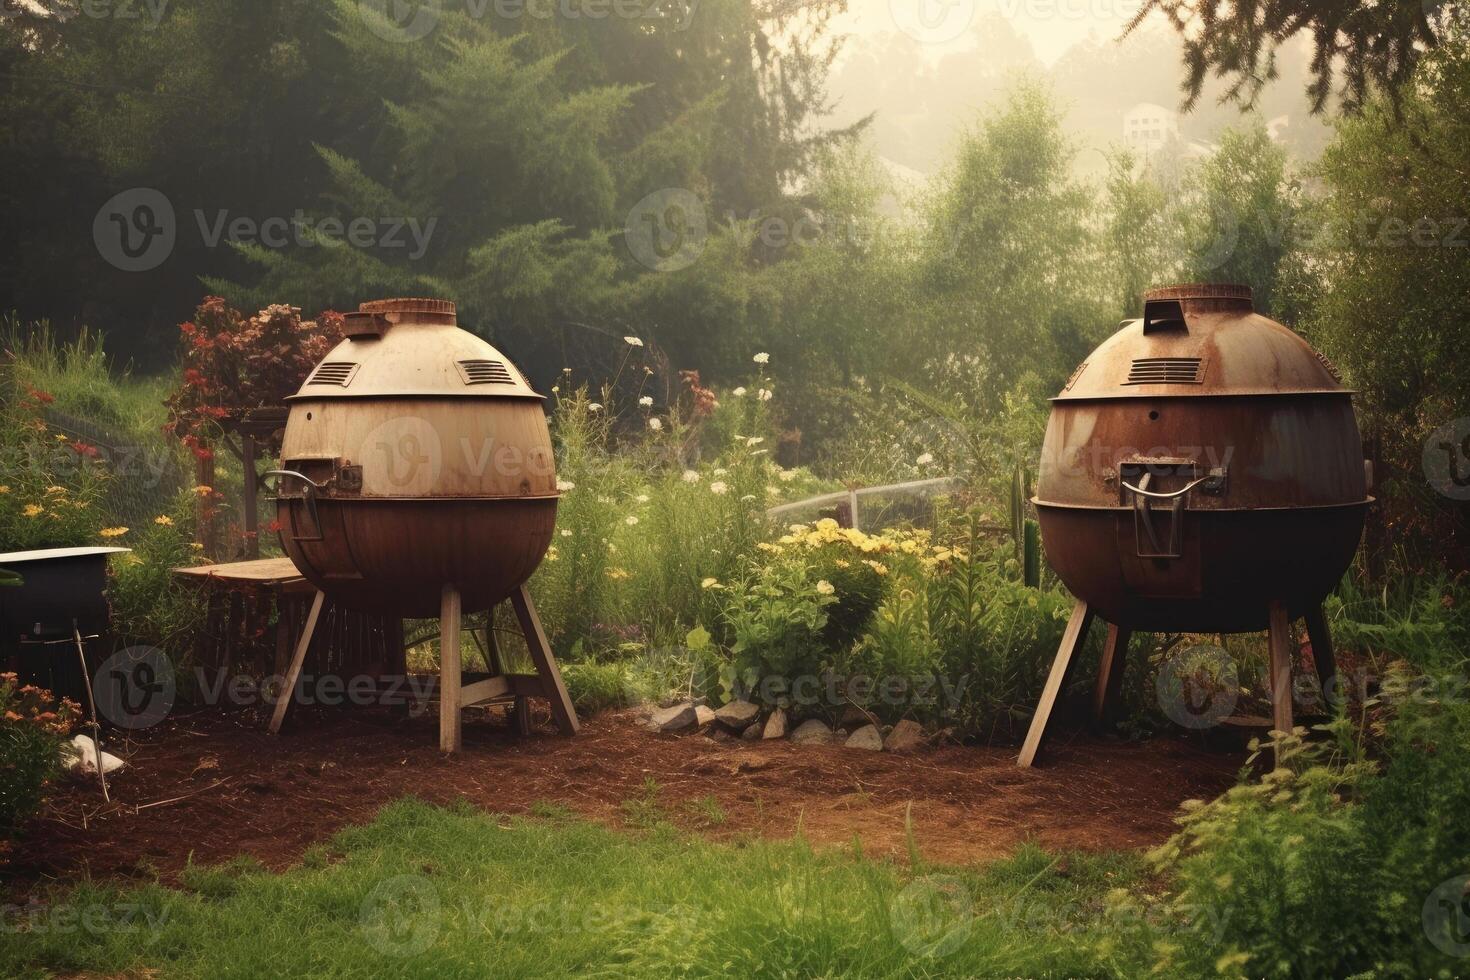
<point x="1329" y="866"/>
<point x="958" y="614"/>
<point x="33" y="729"/>
<point x="149" y="603"/>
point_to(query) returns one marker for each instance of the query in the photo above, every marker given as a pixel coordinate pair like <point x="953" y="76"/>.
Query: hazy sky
<point x="1051" y="26"/>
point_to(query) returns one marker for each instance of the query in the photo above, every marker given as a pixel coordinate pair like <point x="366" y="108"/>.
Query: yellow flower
<point x="32" y="510"/>
<point x="113" y="532"/>
<point x="60" y="437"/>
<point x="163" y="520"/>
<point x="710" y="583"/>
<point x="4" y="488"/>
<point x="197" y="545"/>
<point x="616" y="574"/>
<point x="877" y="566"/>
<point x="552" y="554"/>
<point x="55" y="489"/>
<point x="824" y="587"/>
<point x="842" y="563"/>
<point x="203" y="491"/>
<point x="826" y="524"/>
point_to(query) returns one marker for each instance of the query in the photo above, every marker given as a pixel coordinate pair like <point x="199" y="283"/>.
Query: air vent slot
<point x="333" y="373"/>
<point x="485" y="372"/>
<point x="1165" y="371"/>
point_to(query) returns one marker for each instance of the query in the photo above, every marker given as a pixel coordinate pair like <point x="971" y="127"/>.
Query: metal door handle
<point x="309" y="494"/>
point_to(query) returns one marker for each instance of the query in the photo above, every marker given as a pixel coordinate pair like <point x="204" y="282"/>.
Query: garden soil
<point x="212" y="786"/>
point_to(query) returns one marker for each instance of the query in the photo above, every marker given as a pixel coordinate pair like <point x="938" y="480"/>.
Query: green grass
<point x="425" y="891"/>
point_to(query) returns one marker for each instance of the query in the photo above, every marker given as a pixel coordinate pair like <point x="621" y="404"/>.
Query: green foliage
<point x="1328" y="865"/>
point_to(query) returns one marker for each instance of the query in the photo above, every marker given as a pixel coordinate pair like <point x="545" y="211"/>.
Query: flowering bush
<point x="232" y="363"/>
<point x="33" y="728"/>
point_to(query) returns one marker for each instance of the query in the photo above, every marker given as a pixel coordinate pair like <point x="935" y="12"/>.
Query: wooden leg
<point x="551" y="682"/>
<point x="1323" y="656"/>
<point x="288" y="686"/>
<point x="1072" y="641"/>
<point x="450" y="739"/>
<point x="1281" y="656"/>
<point x="1110" y="674"/>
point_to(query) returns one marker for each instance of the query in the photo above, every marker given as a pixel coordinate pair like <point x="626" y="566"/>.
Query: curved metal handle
<point x="1172" y="494"/>
<point x="310" y="496"/>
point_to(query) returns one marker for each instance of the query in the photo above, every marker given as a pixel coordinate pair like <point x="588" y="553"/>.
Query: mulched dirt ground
<point x="216" y="785"/>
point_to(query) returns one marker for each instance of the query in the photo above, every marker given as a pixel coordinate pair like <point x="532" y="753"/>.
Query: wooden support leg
<point x="450" y="739"/>
<point x="1072" y="641"/>
<point x="1281" y="656"/>
<point x="288" y="686"/>
<point x="1110" y="671"/>
<point x="1323" y="656"/>
<point x="551" y="682"/>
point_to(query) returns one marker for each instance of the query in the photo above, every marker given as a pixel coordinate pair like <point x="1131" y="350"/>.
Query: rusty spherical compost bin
<point x="417" y="479"/>
<point x="1202" y="471"/>
<point x="423" y="459"/>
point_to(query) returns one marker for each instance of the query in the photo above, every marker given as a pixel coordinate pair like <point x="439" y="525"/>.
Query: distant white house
<point x="1147" y="127"/>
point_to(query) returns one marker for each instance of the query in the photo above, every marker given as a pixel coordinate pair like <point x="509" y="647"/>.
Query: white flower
<point x="646" y="401"/>
<point x="565" y="485"/>
<point x="566" y="532"/>
<point x="754" y="441"/>
<point x="787" y="475"/>
<point x="632" y="341"/>
<point x="739" y="392"/>
<point x="718" y="487"/>
<point x="720" y="471"/>
<point x="642" y="498"/>
<point x="691" y="476"/>
<point x="764" y="394"/>
<point x="749" y="497"/>
<point x="924" y="459"/>
<point x="762" y="358"/>
<point x="594" y="406"/>
<point x="656" y="425"/>
<point x="630" y="520"/>
<point x="710" y="583"/>
<point x="824" y="587"/>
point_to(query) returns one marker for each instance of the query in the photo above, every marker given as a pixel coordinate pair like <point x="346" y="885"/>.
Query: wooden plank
<point x="1281" y="656"/>
<point x="288" y="687"/>
<point x="1072" y="640"/>
<point x="450" y="737"/>
<point x="485" y="690"/>
<point x="262" y="571"/>
<point x="1110" y="671"/>
<point x="541" y="656"/>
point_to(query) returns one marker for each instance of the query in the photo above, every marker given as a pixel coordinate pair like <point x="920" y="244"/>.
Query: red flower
<point x="82" y="449"/>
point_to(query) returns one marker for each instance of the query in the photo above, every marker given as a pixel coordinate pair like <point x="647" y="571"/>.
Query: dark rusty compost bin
<point x="417" y="473"/>
<point x="1202" y="471"/>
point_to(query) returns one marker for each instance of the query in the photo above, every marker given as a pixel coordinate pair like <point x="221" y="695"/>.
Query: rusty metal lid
<point x="412" y="348"/>
<point x="1201" y="340"/>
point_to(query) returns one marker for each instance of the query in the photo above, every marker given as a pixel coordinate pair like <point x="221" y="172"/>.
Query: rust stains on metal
<point x="1201" y="463"/>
